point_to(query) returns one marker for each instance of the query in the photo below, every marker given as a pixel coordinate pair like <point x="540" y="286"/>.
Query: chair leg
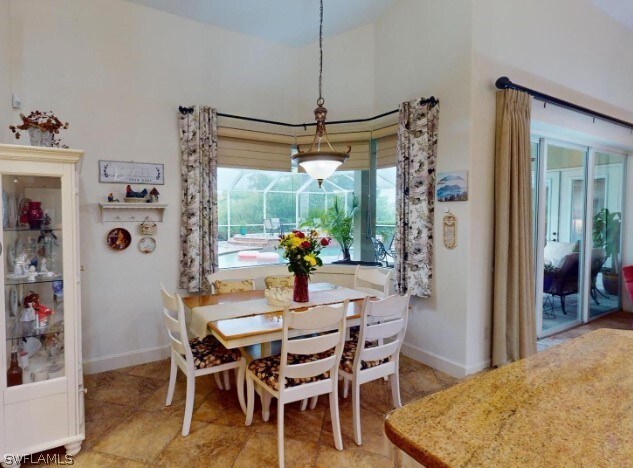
<point x="562" y="304"/>
<point x="172" y="382"/>
<point x="227" y="381"/>
<point x="250" y="400"/>
<point x="304" y="404"/>
<point x="313" y="401"/>
<point x="336" y="422"/>
<point x="191" y="391"/>
<point x="345" y="387"/>
<point x="356" y="412"/>
<point x="395" y="388"/>
<point x="218" y="381"/>
<point x="239" y="381"/>
<point x="266" y="405"/>
<point x="280" y="434"/>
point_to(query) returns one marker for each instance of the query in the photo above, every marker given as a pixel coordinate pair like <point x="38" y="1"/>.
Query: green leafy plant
<point x="607" y="227"/>
<point x="341" y="224"/>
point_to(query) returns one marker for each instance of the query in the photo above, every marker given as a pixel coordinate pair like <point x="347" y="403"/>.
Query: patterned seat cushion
<point x="230" y="286"/>
<point x="279" y="281"/>
<point x="209" y="352"/>
<point x="267" y="369"/>
<point x="349" y="351"/>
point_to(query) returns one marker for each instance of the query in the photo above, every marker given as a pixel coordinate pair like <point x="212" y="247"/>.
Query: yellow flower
<point x="310" y="259"/>
<point x="296" y="242"/>
<point x="291" y="235"/>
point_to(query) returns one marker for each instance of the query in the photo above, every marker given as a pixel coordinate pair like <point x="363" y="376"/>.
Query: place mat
<point x="201" y="316"/>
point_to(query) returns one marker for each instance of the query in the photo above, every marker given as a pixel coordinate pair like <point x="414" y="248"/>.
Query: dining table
<point x="243" y="319"/>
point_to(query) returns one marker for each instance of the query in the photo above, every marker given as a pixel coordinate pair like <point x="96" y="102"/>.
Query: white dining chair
<point x="375" y="281"/>
<point x="306" y="368"/>
<point x="196" y="357"/>
<point x="376" y="353"/>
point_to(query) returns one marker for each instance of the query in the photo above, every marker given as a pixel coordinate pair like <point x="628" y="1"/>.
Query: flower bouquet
<point x="41" y="127"/>
<point x="302" y="252"/>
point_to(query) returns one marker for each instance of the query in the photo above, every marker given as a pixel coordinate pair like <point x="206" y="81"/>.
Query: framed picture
<point x="452" y="186"/>
<point x="121" y="172"/>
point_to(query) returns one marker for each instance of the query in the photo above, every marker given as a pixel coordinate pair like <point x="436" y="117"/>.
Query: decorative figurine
<point x="111" y="198"/>
<point x="129" y="193"/>
<point x="153" y="195"/>
<point x="46" y="224"/>
<point x="43" y="268"/>
<point x="32" y="273"/>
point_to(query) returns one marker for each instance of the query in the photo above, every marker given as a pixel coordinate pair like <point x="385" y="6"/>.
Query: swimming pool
<point x="233" y="260"/>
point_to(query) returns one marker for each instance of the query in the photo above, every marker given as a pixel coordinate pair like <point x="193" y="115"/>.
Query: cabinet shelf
<point x="131" y="212"/>
<point x="40" y="279"/>
<point x="19" y="330"/>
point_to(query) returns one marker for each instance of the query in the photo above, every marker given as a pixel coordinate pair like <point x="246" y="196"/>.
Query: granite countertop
<point x="571" y="405"/>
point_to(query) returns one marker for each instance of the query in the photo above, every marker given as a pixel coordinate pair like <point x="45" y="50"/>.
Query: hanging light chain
<point x="321" y="101"/>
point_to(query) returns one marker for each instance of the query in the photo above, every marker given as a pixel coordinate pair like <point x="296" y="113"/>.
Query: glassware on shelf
<point x="14" y="372"/>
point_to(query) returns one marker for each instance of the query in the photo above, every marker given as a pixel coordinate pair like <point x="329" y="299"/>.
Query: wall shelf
<point x="131" y="212"/>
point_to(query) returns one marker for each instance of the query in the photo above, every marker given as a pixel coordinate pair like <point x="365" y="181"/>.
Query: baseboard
<point x="131" y="358"/>
<point x="448" y="366"/>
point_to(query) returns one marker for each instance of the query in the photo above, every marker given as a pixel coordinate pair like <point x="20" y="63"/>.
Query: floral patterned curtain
<point x="415" y="195"/>
<point x="199" y="222"/>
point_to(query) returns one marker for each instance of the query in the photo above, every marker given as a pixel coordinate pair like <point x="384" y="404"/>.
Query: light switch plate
<point x="17" y="101"/>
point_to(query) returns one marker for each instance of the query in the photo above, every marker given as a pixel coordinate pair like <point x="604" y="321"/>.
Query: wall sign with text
<point x="131" y="173"/>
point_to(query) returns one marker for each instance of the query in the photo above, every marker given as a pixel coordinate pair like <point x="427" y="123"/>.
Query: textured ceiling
<point x="292" y="22"/>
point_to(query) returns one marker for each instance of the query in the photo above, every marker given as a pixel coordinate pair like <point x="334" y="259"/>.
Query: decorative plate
<point x="119" y="239"/>
<point x="147" y="245"/>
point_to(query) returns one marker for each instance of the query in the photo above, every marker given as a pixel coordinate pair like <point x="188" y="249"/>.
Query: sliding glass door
<point x="577" y="233"/>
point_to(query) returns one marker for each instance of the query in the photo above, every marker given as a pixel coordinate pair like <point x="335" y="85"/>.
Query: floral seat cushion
<point x="231" y="286"/>
<point x="267" y="369"/>
<point x="284" y="281"/>
<point x="209" y="352"/>
<point x="349" y="351"/>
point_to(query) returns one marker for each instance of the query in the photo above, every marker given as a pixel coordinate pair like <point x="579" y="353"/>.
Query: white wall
<point x="567" y="48"/>
<point x="423" y="49"/>
<point x="5" y="71"/>
<point x="117" y="72"/>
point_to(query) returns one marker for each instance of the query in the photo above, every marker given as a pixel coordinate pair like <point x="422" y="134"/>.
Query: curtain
<point x="416" y="151"/>
<point x="514" y="333"/>
<point x="199" y="221"/>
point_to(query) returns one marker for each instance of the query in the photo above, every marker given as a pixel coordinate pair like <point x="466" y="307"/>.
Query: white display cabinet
<point x="42" y="398"/>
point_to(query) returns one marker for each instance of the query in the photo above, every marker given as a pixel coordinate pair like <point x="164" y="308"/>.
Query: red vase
<point x="35" y="215"/>
<point x="300" y="292"/>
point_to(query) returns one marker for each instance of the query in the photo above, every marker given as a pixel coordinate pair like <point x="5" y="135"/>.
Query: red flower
<point x="300" y="234"/>
<point x="325" y="242"/>
<point x="306" y="244"/>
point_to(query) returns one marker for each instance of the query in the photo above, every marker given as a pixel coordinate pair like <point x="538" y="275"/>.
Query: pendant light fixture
<point x="321" y="159"/>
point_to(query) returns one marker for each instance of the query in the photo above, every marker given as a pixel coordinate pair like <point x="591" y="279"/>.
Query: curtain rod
<point x="432" y="101"/>
<point x="505" y="83"/>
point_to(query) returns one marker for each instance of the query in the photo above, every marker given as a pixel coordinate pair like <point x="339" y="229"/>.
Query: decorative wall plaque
<point x="450" y="231"/>
<point x="131" y="173"/>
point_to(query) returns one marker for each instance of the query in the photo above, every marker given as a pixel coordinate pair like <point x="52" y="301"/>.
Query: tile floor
<point x="128" y="425"/>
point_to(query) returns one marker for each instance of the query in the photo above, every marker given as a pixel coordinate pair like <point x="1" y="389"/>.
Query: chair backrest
<point x="373" y="280"/>
<point x="268" y="224"/>
<point x="322" y="318"/>
<point x="275" y="223"/>
<point x="174" y="315"/>
<point x="627" y="273"/>
<point x="384" y="321"/>
<point x="256" y="273"/>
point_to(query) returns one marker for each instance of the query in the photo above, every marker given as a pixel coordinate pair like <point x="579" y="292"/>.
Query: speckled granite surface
<point x="571" y="405"/>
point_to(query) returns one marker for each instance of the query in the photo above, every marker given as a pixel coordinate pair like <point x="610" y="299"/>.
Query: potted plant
<point x="606" y="230"/>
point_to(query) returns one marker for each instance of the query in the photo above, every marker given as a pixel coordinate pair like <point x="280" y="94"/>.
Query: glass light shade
<point x="320" y="169"/>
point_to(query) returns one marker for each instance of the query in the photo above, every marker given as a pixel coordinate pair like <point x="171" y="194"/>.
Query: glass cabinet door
<point x="33" y="278"/>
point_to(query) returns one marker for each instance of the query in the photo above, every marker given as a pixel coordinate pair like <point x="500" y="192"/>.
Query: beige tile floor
<point x="128" y="425"/>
